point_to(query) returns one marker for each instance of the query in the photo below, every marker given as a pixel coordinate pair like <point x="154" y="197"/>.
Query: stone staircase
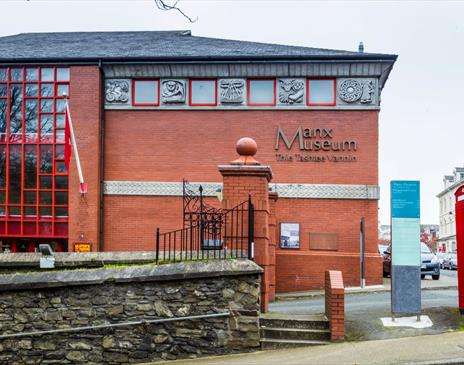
<point x="286" y="331"/>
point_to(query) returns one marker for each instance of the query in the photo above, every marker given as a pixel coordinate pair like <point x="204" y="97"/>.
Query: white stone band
<point x="305" y="191"/>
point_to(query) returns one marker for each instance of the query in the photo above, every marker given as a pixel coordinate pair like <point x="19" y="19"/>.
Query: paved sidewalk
<point x="445" y="282"/>
<point x="447" y="348"/>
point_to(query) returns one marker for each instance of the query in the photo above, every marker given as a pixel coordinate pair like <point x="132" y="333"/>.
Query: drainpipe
<point x="102" y="157"/>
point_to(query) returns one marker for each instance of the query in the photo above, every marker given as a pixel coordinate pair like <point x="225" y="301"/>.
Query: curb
<point x="458" y="361"/>
<point x="379" y="290"/>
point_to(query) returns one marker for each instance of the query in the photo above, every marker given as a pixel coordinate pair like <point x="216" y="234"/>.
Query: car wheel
<point x="435" y="277"/>
<point x="422" y="276"/>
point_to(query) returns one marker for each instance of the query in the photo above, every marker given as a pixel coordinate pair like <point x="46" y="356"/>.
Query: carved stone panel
<point x="117" y="91"/>
<point x="291" y="91"/>
<point x="231" y="91"/>
<point x="357" y="91"/>
<point x="173" y="91"/>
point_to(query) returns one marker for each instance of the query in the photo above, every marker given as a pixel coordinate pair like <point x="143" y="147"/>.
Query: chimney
<point x="361" y="47"/>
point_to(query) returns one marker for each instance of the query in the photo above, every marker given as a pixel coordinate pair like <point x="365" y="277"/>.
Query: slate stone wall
<point x="217" y="287"/>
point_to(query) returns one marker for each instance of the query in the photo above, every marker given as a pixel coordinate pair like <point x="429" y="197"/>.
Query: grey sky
<point x="421" y="122"/>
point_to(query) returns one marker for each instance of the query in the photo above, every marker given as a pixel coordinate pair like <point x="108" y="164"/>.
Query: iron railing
<point x="210" y="234"/>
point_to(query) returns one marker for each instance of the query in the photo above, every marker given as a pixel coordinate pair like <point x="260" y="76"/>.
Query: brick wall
<point x="171" y="145"/>
<point x="85" y="97"/>
<point x="335" y="304"/>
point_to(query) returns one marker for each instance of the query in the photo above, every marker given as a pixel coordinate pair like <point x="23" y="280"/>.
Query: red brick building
<point x="152" y="108"/>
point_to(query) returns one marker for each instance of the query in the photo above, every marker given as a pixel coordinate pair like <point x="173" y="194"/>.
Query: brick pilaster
<point x="85" y="107"/>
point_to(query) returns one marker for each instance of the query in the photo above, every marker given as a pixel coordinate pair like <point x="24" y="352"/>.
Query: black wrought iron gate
<point x="208" y="232"/>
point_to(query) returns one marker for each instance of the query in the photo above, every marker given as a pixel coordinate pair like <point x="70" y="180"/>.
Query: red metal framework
<point x="33" y="175"/>
<point x="308" y="92"/>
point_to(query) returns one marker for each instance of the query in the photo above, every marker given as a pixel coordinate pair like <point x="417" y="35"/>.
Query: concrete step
<point x="278" y="320"/>
<point x="270" y="344"/>
<point x="295" y="334"/>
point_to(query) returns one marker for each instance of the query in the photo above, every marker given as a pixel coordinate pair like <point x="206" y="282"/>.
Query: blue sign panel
<point x="405" y="199"/>
<point x="405" y="259"/>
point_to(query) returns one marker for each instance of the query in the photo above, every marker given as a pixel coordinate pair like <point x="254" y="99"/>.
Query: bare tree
<point x="161" y="4"/>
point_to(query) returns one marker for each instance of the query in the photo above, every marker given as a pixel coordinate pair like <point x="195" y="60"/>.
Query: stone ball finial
<point x="246" y="146"/>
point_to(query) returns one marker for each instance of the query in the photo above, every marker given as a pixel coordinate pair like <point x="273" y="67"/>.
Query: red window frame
<point x="308" y="92"/>
<point x="261" y="104"/>
<point x="35" y="225"/>
<point x="157" y="103"/>
<point x="191" y="103"/>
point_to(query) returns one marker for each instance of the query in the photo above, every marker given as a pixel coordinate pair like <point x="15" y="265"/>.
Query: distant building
<point x="447" y="241"/>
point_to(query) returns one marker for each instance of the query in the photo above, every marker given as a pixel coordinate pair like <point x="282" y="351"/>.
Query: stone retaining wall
<point x="72" y="299"/>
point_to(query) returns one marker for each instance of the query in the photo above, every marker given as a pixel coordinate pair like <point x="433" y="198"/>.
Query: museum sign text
<point x="318" y="140"/>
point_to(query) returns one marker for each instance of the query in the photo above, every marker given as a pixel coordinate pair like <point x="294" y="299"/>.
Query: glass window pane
<point x="2" y="90"/>
<point x="59" y="151"/>
<point x="2" y="166"/>
<point x="2" y="210"/>
<point x="46" y="157"/>
<point x="61" y="198"/>
<point x="45" y="197"/>
<point x="262" y="92"/>
<point x="46" y="105"/>
<point x="62" y="89"/>
<point x="45" y="211"/>
<point x="2" y="118"/>
<point x="46" y="90"/>
<point x="46" y="182"/>
<point x="203" y="92"/>
<point x="61" y="211"/>
<point x="3" y="74"/>
<point x="321" y="92"/>
<point x="146" y="92"/>
<point x="30" y="166"/>
<point x="15" y="174"/>
<point x="14" y="210"/>
<point x="61" y="182"/>
<point x="30" y="197"/>
<point x="59" y="135"/>
<point x="31" y="116"/>
<point x="32" y="74"/>
<point x="31" y="211"/>
<point x="60" y="166"/>
<point x="62" y="74"/>
<point x="47" y="74"/>
<point x="31" y="90"/>
<point x="60" y="121"/>
<point x="2" y="196"/>
<point x="46" y="127"/>
<point x="16" y="102"/>
<point x="16" y="74"/>
<point x="59" y="106"/>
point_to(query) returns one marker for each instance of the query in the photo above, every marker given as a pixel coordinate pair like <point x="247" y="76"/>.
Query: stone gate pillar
<point x="247" y="176"/>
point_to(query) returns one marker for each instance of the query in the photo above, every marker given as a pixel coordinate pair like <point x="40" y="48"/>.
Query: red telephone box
<point x="459" y="194"/>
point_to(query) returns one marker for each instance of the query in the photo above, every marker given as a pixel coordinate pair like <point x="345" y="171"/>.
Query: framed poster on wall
<point x="289" y="235"/>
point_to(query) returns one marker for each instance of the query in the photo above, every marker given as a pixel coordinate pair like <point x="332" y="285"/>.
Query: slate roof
<point x="155" y="46"/>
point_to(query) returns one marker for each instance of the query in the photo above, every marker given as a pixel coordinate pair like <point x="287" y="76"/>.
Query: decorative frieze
<point x="173" y="91"/>
<point x="231" y="91"/>
<point x="117" y="91"/>
<point x="357" y="91"/>
<point x="291" y="91"/>
<point x="304" y="191"/>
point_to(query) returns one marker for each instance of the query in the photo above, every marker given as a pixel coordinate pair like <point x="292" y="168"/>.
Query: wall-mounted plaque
<point x="289" y="235"/>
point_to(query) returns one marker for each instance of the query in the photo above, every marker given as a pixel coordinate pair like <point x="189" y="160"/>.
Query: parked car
<point x="382" y="249"/>
<point x="441" y="258"/>
<point x="451" y="262"/>
<point x="429" y="262"/>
